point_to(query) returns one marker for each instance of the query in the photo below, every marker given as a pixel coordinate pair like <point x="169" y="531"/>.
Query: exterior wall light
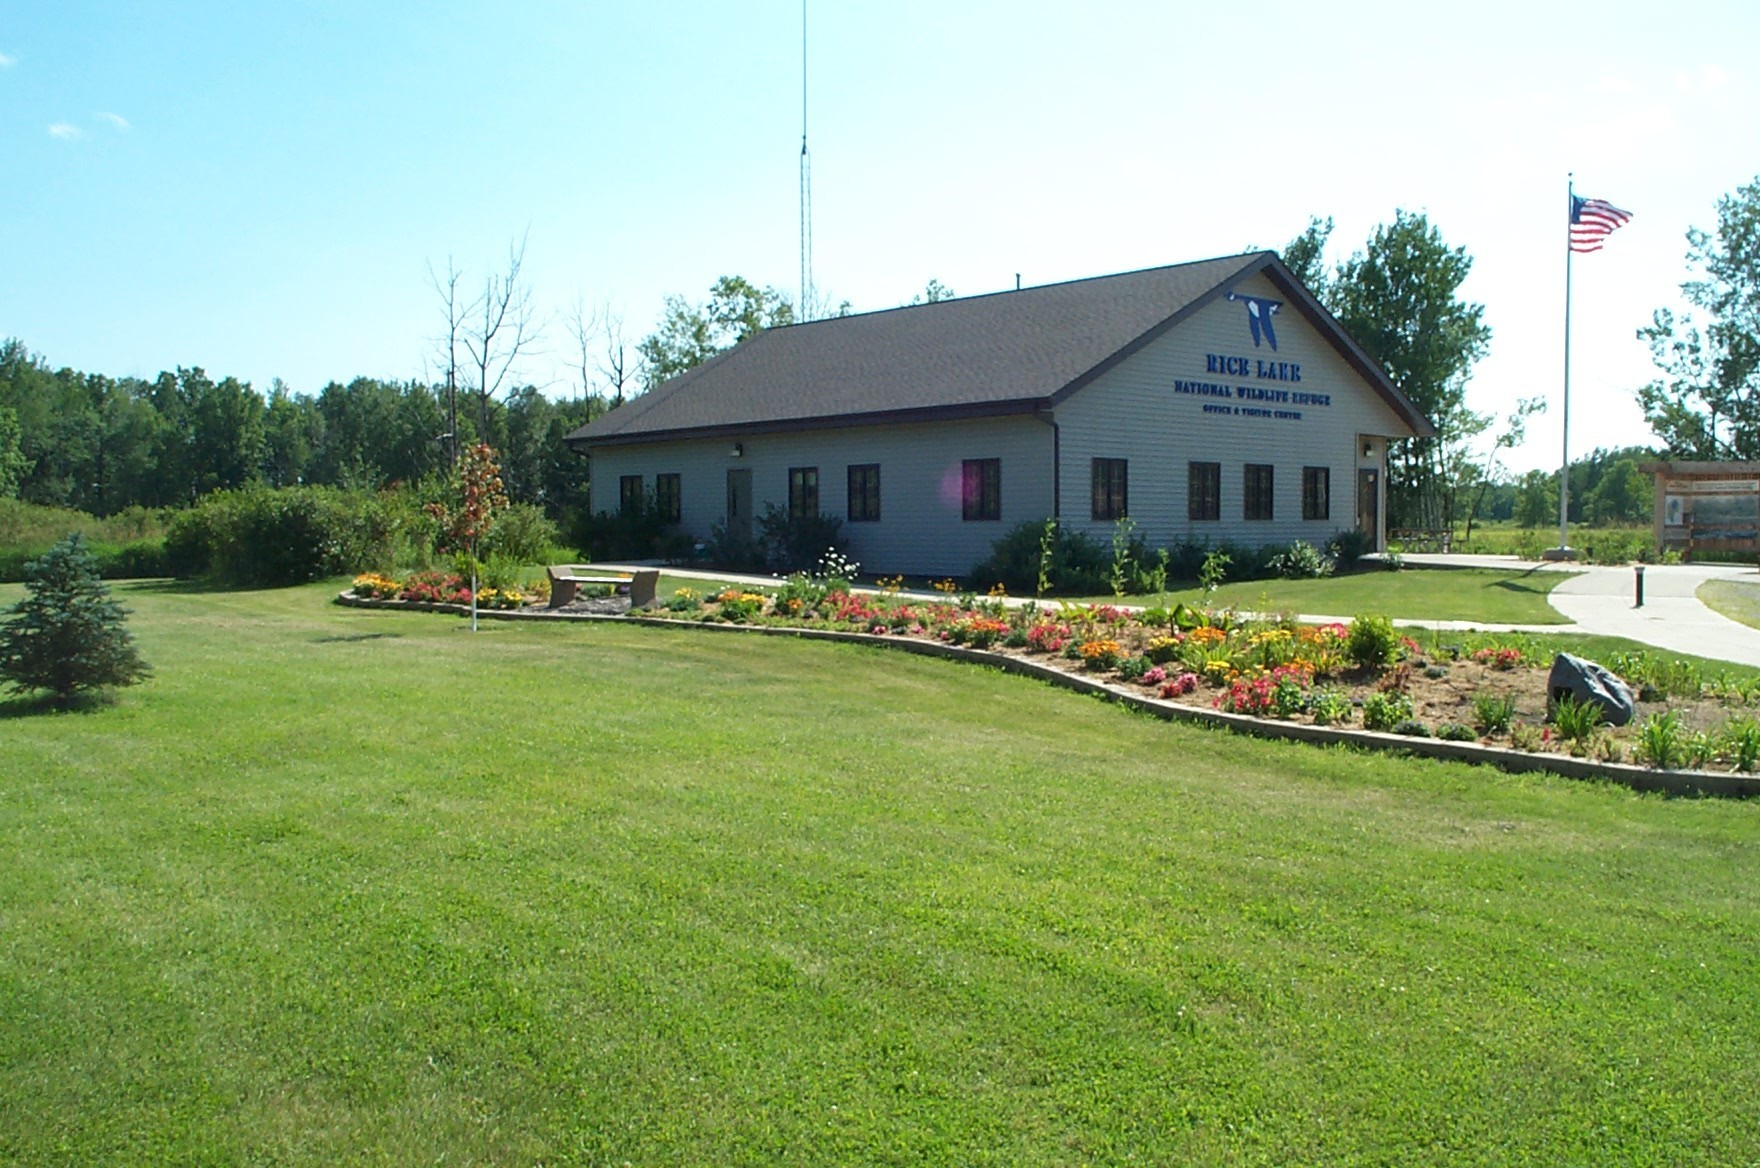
<point x="739" y="449"/>
<point x="1368" y="450"/>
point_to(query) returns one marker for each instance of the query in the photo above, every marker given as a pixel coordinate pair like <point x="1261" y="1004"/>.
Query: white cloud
<point x="117" y="120"/>
<point x="7" y="62"/>
<point x="66" y="131"/>
<point x="1707" y="79"/>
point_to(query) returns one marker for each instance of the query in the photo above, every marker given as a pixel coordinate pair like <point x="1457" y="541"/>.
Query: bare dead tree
<point x="583" y="330"/>
<point x="614" y="363"/>
<point x="446" y="288"/>
<point x="501" y="327"/>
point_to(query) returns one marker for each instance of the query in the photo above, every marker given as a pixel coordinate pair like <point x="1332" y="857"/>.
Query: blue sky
<point x="259" y="189"/>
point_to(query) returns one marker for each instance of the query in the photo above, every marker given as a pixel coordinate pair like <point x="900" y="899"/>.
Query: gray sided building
<point x="1211" y="401"/>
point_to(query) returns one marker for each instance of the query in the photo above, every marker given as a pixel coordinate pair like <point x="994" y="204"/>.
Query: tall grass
<point x="128" y="543"/>
<point x="1598" y="545"/>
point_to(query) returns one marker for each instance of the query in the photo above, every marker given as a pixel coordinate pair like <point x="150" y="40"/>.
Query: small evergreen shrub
<point x="1412" y="728"/>
<point x="67" y="635"/>
<point x="1455" y="732"/>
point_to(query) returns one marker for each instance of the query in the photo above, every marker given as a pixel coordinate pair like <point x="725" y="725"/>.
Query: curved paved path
<point x="1597" y="600"/>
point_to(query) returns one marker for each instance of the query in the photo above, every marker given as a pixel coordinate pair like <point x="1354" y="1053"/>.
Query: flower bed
<point x="1480" y="690"/>
<point x="1466" y="687"/>
<point x="438" y="588"/>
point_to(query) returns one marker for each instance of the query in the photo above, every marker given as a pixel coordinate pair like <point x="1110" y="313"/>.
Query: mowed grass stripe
<point x="344" y="886"/>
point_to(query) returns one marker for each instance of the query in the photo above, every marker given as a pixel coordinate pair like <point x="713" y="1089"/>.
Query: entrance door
<point x="1369" y="505"/>
<point x="739" y="504"/>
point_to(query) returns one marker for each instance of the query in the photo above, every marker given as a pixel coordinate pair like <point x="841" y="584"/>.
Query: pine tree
<point x="67" y="634"/>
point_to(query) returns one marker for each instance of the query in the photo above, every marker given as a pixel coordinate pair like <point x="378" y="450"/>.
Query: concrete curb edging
<point x="1637" y="778"/>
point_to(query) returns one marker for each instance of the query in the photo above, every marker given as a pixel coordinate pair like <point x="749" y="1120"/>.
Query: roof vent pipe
<point x="1017" y="281"/>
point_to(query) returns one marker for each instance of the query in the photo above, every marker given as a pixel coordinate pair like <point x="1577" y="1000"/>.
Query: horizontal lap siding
<point x="920" y="530"/>
<point x="1133" y="412"/>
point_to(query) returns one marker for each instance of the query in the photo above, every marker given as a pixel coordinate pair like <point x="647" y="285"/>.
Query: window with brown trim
<point x="1316" y="492"/>
<point x="981" y="488"/>
<point x="803" y="492"/>
<point x="1256" y="491"/>
<point x="864" y="492"/>
<point x="667" y="498"/>
<point x="1110" y="486"/>
<point x="1204" y="491"/>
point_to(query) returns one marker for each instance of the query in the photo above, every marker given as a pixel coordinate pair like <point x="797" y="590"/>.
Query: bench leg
<point x="642" y="586"/>
<point x="561" y="592"/>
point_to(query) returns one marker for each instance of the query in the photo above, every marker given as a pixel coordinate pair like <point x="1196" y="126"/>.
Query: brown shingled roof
<point x="976" y="356"/>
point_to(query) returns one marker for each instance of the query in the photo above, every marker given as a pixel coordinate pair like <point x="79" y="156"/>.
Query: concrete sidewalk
<point x="1597" y="600"/>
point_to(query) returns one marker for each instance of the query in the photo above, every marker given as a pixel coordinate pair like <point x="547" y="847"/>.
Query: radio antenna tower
<point x="806" y="301"/>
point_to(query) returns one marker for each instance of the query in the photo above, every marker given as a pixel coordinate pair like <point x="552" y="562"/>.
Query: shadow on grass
<point x="1517" y="586"/>
<point x="169" y="587"/>
<point x="350" y="638"/>
<point x="43" y="704"/>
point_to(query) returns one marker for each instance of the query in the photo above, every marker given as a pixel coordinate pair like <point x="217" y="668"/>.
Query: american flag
<point x="1592" y="221"/>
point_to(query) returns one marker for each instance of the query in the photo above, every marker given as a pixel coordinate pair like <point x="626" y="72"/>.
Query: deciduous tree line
<point x="100" y="444"/>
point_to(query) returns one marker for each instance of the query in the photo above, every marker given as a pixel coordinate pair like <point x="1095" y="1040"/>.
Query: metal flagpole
<point x="1564" y="470"/>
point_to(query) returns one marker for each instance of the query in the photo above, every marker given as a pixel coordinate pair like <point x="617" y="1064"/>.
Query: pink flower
<point x="1155" y="676"/>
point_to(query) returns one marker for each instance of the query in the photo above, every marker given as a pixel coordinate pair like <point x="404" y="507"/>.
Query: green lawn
<point x="345" y="886"/>
<point x="1737" y="600"/>
<point x="1475" y="594"/>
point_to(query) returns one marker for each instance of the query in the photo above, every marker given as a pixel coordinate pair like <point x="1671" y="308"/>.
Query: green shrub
<point x="1348" y="547"/>
<point x="1494" y="713"/>
<point x="256" y="536"/>
<point x="629" y="533"/>
<point x="1412" y="728"/>
<point x="1300" y="561"/>
<point x="1385" y="711"/>
<point x="808" y="589"/>
<point x="521" y="533"/>
<point x="1661" y="741"/>
<point x="1741" y="738"/>
<point x="736" y="552"/>
<point x="1077" y="562"/>
<point x="1330" y="705"/>
<point x="795" y="543"/>
<point x="1455" y="732"/>
<point x="1575" y="720"/>
<point x="1372" y="643"/>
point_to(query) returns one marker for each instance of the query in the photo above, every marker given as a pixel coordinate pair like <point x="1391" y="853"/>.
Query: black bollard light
<point x="1638" y="583"/>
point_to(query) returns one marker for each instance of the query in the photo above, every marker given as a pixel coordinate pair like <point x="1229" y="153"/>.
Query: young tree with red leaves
<point x="480" y="496"/>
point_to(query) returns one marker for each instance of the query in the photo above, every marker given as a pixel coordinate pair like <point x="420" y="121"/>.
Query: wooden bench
<point x="1418" y="539"/>
<point x="566" y="580"/>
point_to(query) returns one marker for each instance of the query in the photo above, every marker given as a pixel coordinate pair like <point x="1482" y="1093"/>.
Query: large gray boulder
<point x="1588" y="682"/>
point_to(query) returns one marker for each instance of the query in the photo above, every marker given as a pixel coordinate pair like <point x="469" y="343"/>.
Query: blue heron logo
<point x="1259" y="314"/>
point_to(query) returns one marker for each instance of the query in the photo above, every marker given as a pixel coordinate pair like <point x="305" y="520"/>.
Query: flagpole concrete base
<point x="1561" y="553"/>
